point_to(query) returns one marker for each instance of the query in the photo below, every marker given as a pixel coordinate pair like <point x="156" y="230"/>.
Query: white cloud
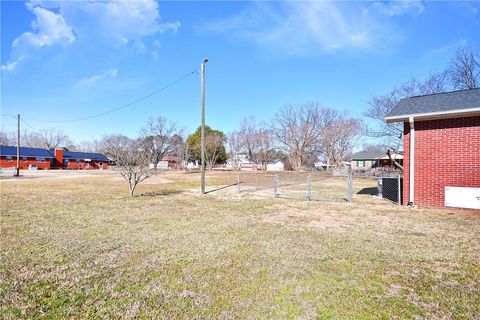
<point x="110" y="74"/>
<point x="299" y="28"/>
<point x="49" y="28"/>
<point x="11" y="65"/>
<point x="398" y="8"/>
<point x="122" y="22"/>
<point x="118" y="23"/>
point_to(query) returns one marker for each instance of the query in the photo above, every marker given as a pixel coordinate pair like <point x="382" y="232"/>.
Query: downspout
<point x="411" y="175"/>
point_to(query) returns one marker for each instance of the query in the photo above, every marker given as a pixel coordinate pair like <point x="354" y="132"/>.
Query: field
<point x="75" y="245"/>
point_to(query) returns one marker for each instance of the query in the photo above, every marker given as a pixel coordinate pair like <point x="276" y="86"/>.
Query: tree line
<point x="297" y="134"/>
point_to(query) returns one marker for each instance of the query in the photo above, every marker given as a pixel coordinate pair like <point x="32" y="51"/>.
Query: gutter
<point x="411" y="174"/>
<point x="435" y="115"/>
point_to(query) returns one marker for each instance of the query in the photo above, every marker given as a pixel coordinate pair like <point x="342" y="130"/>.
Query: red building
<point x="441" y="148"/>
<point x="51" y="159"/>
<point x="171" y="162"/>
<point x="79" y="160"/>
<point x="29" y="158"/>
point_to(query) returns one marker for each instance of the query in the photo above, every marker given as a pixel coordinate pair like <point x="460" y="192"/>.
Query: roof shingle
<point x="437" y="103"/>
<point x="25" y="152"/>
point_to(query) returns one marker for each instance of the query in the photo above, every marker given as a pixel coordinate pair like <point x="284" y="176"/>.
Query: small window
<point x="9" y="159"/>
<point x="78" y="161"/>
<point x="364" y="163"/>
<point x="40" y="159"/>
<point x="24" y="159"/>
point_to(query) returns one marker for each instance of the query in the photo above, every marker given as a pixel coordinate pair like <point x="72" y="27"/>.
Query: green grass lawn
<point x="79" y="247"/>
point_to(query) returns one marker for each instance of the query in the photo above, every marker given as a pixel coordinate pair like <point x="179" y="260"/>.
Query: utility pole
<point x="18" y="145"/>
<point x="202" y="136"/>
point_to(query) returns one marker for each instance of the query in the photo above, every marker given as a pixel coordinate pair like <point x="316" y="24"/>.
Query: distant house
<point x="173" y="162"/>
<point x="80" y="160"/>
<point x="29" y="157"/>
<point x="441" y="138"/>
<point x="52" y="159"/>
<point x="169" y="163"/>
<point x="249" y="166"/>
<point x="275" y="166"/>
<point x="366" y="160"/>
<point x="237" y="161"/>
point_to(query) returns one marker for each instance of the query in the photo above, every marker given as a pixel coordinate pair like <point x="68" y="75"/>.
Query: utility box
<point x="462" y="197"/>
<point x="390" y="188"/>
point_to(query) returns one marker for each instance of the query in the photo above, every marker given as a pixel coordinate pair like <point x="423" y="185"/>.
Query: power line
<point x="27" y="123"/>
<point x="121" y="106"/>
<point x="15" y="117"/>
<point x="9" y="115"/>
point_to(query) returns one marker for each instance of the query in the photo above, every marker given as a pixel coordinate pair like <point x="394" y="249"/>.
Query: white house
<point x="238" y="160"/>
<point x="275" y="166"/>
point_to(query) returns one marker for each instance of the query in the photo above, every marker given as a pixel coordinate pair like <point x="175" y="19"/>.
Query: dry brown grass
<point x="81" y="248"/>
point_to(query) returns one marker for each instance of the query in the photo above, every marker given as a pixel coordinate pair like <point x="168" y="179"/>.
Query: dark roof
<point x="437" y="103"/>
<point x="25" y="152"/>
<point x="84" y="155"/>
<point x="368" y="155"/>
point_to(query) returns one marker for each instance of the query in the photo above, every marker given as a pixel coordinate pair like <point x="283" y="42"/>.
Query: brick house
<point x="441" y="148"/>
<point x="79" y="160"/>
<point x="40" y="158"/>
<point x="51" y="159"/>
<point x="366" y="160"/>
<point x="169" y="163"/>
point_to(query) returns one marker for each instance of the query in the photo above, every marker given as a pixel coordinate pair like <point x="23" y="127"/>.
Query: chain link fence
<point x="391" y="188"/>
<point x="314" y="185"/>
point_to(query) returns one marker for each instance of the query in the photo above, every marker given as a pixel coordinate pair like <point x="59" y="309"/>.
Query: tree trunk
<point x="131" y="188"/>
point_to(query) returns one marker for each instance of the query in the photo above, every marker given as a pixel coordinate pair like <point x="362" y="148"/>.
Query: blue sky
<point x="67" y="60"/>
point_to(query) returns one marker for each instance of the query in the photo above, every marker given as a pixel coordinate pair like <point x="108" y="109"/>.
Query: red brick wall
<point x="24" y="164"/>
<point x="93" y="165"/>
<point x="57" y="162"/>
<point x="447" y="153"/>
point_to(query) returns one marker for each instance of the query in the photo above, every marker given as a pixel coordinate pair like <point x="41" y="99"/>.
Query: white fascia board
<point x="435" y="115"/>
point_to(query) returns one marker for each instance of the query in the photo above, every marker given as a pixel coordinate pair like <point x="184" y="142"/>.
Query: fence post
<point x="309" y="187"/>
<point x="380" y="187"/>
<point x="350" y="186"/>
<point x="238" y="181"/>
<point x="275" y="185"/>
<point x="399" y="192"/>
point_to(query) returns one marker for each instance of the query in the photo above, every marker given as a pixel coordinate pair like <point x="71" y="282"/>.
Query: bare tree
<point x="7" y="138"/>
<point x="48" y="139"/>
<point x="371" y="147"/>
<point x="465" y="69"/>
<point x="297" y="130"/>
<point x="339" y="137"/>
<point x="381" y="106"/>
<point x="435" y="83"/>
<point x="214" y="147"/>
<point x="112" y="145"/>
<point x="159" y="138"/>
<point x="131" y="159"/>
<point x="248" y="137"/>
<point x="92" y="145"/>
<point x="235" y="147"/>
<point x="264" y="139"/>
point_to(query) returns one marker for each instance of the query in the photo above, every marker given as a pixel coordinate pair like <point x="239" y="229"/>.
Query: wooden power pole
<point x="18" y="145"/>
<point x="202" y="133"/>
